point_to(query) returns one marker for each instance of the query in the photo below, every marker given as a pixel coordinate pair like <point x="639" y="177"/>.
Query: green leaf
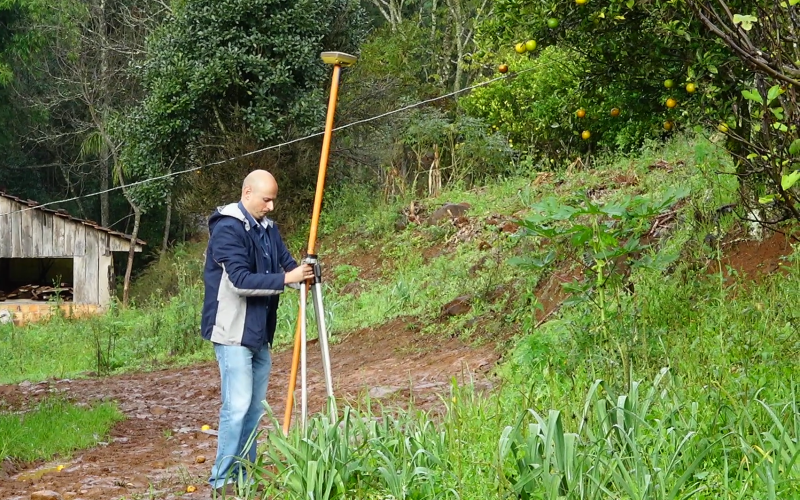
<point x="766" y="199"/>
<point x="774" y="92"/>
<point x="745" y="21"/>
<point x="780" y="126"/>
<point x="787" y="181"/>
<point x="795" y="146"/>
<point x="630" y="4"/>
<point x="712" y="69"/>
<point x="752" y="95"/>
<point x="582" y="235"/>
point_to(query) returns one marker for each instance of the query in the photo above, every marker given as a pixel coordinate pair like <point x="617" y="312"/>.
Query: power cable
<point x="275" y="146"/>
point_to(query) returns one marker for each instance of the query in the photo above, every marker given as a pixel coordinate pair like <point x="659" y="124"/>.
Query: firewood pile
<point x="36" y="292"/>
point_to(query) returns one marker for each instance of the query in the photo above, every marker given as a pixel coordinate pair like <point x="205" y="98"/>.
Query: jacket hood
<point x="234" y="210"/>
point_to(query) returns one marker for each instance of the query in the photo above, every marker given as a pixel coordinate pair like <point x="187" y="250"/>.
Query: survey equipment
<point x="337" y="60"/>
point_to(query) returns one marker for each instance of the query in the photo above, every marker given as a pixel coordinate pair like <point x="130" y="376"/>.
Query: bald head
<point x="259" y="191"/>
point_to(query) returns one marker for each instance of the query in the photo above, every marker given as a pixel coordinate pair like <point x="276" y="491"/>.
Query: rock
<point x="401" y="223"/>
<point x="46" y="495"/>
<point x="458" y="306"/>
<point x="382" y="392"/>
<point x="159" y="410"/>
<point x="448" y="211"/>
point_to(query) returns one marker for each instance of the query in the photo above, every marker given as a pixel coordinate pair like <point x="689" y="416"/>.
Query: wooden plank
<point x="69" y="237"/>
<point x="58" y="237"/>
<point x="104" y="270"/>
<point x="47" y="234"/>
<point x="91" y="267"/>
<point x="26" y="234"/>
<point x="79" y="246"/>
<point x="16" y="235"/>
<point x="79" y="281"/>
<point x="6" y="239"/>
<point x="36" y="222"/>
<point x="121" y="244"/>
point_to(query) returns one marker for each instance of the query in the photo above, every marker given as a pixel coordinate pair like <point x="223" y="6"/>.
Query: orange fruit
<point x="503" y="68"/>
<point x="581" y="113"/>
<point x="671" y="103"/>
<point x="669" y="83"/>
<point x="723" y="127"/>
<point x="691" y="87"/>
<point x="530" y="45"/>
<point x="199" y="459"/>
<point x="614" y="112"/>
<point x="520" y="48"/>
<point x="581" y="2"/>
<point x="191" y="489"/>
<point x="667" y="126"/>
<point x="585" y="135"/>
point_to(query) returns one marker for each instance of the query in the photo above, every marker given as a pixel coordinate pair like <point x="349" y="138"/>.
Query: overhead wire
<point x="268" y="148"/>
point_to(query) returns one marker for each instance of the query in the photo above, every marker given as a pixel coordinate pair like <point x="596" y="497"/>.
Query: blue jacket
<point x="243" y="280"/>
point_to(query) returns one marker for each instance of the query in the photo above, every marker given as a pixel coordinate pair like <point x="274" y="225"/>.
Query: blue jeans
<point x="244" y="377"/>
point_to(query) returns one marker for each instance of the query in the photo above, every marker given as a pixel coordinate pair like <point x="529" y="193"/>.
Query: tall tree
<point x="219" y="69"/>
<point x="81" y="79"/>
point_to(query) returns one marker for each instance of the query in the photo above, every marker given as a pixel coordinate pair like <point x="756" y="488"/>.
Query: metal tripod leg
<point x="322" y="331"/>
<point x="319" y="311"/>
<point x="303" y="380"/>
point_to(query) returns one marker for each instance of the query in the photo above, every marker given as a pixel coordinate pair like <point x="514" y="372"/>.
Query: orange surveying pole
<point x="337" y="59"/>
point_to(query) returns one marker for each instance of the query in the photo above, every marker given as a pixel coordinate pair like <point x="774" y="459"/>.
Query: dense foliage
<point x="234" y="67"/>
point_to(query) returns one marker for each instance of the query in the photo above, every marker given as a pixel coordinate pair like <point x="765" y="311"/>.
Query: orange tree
<point x="679" y="63"/>
<point x="631" y="51"/>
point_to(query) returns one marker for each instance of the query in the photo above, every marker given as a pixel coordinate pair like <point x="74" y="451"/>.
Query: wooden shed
<point x="42" y="249"/>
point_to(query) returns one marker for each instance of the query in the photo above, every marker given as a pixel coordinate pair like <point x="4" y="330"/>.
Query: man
<point x="247" y="267"/>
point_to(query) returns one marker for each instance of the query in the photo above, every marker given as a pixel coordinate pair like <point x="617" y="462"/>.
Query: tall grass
<point x="121" y="339"/>
<point x="54" y="427"/>
<point x="648" y="443"/>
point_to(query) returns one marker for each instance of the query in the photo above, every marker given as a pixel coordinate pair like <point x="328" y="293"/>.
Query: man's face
<point x="259" y="199"/>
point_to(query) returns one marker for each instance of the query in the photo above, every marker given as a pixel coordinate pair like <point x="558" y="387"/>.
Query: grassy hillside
<point x="660" y="371"/>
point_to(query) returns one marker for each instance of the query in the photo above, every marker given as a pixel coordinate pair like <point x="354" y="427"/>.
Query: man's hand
<point x="299" y="274"/>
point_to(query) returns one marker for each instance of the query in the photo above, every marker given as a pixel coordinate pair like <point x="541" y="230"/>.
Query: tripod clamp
<point x="314" y="261"/>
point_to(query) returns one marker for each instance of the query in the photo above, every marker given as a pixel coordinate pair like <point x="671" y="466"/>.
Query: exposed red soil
<point x="551" y="293"/>
<point x="753" y="259"/>
<point x="153" y="451"/>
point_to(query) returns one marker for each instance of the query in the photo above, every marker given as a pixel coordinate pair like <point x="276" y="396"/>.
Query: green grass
<point x="683" y="389"/>
<point x="569" y="422"/>
<point x="122" y="339"/>
<point x="54" y="427"/>
<point x="163" y="327"/>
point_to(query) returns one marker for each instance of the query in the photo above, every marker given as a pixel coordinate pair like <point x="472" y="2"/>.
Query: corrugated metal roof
<point x="63" y="214"/>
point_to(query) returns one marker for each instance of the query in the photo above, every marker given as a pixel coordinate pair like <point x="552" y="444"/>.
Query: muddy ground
<point x="152" y="454"/>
